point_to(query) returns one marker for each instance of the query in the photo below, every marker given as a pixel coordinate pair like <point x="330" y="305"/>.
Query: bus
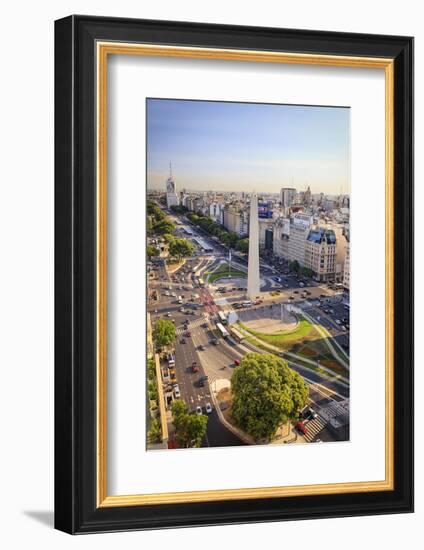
<point x="222" y="317"/>
<point x="224" y="332"/>
<point x="237" y="335"/>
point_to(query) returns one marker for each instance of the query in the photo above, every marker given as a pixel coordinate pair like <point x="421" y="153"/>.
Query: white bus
<point x="222" y="317"/>
<point x="224" y="332"/>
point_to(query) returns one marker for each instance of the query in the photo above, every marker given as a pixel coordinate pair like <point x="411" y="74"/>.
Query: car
<point x="187" y="334"/>
<point x="187" y="321"/>
<point x="168" y="314"/>
<point x="182" y="341"/>
<point x="167" y="293"/>
<point x="237" y="362"/>
<point x="172" y="376"/>
<point x="194" y="367"/>
<point x="300" y="427"/>
<point x="295" y="292"/>
<point x="208" y="408"/>
<point x="203" y="380"/>
<point x="311" y="414"/>
<point x="214" y="342"/>
<point x="177" y="393"/>
<point x="201" y="347"/>
<point x="199" y="409"/>
<point x="338" y="322"/>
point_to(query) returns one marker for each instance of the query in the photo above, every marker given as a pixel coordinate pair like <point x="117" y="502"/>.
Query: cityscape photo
<point x="247" y="248"/>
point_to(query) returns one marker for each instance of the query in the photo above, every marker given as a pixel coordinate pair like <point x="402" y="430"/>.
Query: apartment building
<point x="320" y="253"/>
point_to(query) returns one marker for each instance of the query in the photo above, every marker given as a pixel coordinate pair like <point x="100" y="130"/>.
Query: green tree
<point x="189" y="428"/>
<point x="266" y="393"/>
<point x="155" y="432"/>
<point x="152" y="251"/>
<point x="307" y="272"/>
<point x="180" y="248"/>
<point x="180" y="209"/>
<point x="168" y="237"/>
<point x="164" y="226"/>
<point x="242" y="245"/>
<point x="164" y="333"/>
<point x="294" y="265"/>
<point x="154" y="210"/>
<point x="179" y="411"/>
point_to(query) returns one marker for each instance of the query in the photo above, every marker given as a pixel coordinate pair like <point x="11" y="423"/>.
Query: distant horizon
<point x="259" y="193"/>
<point x="240" y="147"/>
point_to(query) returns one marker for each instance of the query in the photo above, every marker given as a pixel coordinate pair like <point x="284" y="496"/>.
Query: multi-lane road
<point x="198" y="341"/>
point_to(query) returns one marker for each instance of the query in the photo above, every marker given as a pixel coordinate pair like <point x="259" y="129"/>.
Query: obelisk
<point x="253" y="265"/>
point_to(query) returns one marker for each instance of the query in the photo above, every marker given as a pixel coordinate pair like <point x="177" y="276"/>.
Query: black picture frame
<point x="76" y="510"/>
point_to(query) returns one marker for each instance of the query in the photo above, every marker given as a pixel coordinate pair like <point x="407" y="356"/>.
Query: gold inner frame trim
<point x="104" y="49"/>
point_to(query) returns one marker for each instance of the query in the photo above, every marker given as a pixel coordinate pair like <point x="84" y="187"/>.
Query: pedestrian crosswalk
<point x="336" y="412"/>
<point x="314" y="427"/>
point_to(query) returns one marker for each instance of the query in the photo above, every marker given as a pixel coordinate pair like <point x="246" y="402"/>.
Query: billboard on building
<point x="302" y="220"/>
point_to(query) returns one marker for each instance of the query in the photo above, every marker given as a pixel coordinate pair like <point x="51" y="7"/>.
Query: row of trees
<point x="266" y="393"/>
<point x="162" y="226"/>
<point x="228" y="238"/>
<point x="189" y="428"/>
<point x="296" y="267"/>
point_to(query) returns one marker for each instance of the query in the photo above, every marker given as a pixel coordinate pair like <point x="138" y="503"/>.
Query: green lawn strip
<point x="213" y="276"/>
<point x="282" y="339"/>
<point x="260" y="345"/>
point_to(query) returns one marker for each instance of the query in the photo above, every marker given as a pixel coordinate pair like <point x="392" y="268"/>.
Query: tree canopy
<point x="164" y="333"/>
<point x="154" y="210"/>
<point x="189" y="428"/>
<point x="243" y="245"/>
<point x="163" y="226"/>
<point x="266" y="393"/>
<point x="152" y="251"/>
<point x="294" y="265"/>
<point x="181" y="248"/>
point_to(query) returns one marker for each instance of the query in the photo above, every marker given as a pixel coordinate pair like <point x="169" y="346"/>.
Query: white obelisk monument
<point x="253" y="265"/>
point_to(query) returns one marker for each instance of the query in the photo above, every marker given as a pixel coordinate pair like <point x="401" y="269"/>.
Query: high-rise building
<point x="171" y="193"/>
<point x="287" y="196"/>
<point x="269" y="239"/>
<point x="281" y="237"/>
<point x="300" y="225"/>
<point x="253" y="280"/>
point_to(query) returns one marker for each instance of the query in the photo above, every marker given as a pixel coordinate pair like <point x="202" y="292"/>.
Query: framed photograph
<point x="234" y="274"/>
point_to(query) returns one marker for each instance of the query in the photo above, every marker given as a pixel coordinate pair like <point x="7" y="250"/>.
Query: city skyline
<point x="212" y="145"/>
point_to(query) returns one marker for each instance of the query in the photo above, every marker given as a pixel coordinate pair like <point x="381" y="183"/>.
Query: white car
<point x="199" y="409"/>
<point x="177" y="392"/>
<point x="208" y="408"/>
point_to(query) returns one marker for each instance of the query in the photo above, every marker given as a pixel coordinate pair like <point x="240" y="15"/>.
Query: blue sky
<point x="246" y="146"/>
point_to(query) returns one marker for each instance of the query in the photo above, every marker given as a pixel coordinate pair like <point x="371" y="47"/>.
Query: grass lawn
<point x="222" y="271"/>
<point x="283" y="340"/>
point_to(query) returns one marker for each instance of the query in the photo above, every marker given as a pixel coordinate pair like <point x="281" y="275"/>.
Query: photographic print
<point x="248" y="210"/>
